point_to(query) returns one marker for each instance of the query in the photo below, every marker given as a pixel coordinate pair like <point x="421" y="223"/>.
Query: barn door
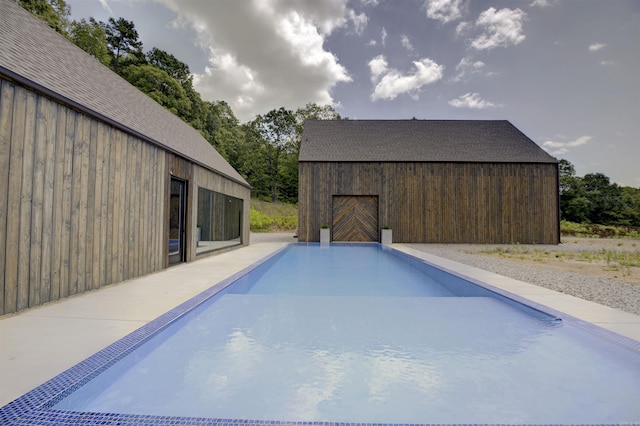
<point x="355" y="218"/>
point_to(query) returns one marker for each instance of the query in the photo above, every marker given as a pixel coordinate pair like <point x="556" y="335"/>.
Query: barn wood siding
<point x="440" y="202"/>
<point x="81" y="202"/>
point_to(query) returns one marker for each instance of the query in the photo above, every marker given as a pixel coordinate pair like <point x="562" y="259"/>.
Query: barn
<point x="98" y="182"/>
<point x="429" y="181"/>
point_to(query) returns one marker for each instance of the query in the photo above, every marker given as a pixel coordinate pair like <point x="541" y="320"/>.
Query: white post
<point x="325" y="236"/>
<point x="387" y="236"/>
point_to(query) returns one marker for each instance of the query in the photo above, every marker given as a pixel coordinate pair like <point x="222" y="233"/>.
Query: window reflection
<point x="219" y="220"/>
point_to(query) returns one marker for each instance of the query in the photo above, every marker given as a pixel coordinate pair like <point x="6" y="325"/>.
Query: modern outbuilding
<point x="98" y="182"/>
<point x="430" y="181"/>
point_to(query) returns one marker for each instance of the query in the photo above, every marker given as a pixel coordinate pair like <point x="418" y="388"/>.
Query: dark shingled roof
<point x="33" y="54"/>
<point x="477" y="141"/>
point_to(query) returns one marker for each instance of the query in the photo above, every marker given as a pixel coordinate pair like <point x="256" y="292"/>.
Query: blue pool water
<point x="354" y="333"/>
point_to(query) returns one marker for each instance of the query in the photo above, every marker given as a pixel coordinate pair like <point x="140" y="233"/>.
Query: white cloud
<point x="383" y="39"/>
<point x="359" y="21"/>
<point x="607" y="63"/>
<point x="406" y="43"/>
<point x="391" y="82"/>
<point x="560" y="148"/>
<point x="264" y="54"/>
<point x="446" y="10"/>
<point x="462" y="28"/>
<point x="596" y="46"/>
<point x="106" y="6"/>
<point x="369" y="2"/>
<point x="501" y="28"/>
<point x="471" y="100"/>
<point x="383" y="36"/>
<point x="378" y="66"/>
<point x="540" y="3"/>
<point x="466" y="68"/>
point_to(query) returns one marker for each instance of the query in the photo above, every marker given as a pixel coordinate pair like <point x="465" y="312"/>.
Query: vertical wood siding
<point x="82" y="204"/>
<point x="440" y="202"/>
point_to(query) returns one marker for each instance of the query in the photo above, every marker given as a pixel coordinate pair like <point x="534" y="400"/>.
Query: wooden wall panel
<point x="102" y="250"/>
<point x="7" y="91"/>
<point x="440" y="202"/>
<point x="51" y="114"/>
<point x="26" y="198"/>
<point x="37" y="200"/>
<point x="12" y="238"/>
<point x="82" y="204"/>
<point x="66" y="196"/>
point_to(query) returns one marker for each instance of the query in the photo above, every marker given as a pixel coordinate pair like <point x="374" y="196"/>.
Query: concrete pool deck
<point x="40" y="343"/>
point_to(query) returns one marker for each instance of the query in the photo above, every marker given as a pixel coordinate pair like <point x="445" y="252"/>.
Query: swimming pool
<point x="430" y="348"/>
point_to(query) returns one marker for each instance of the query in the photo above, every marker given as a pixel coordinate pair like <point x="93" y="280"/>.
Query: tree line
<point x="264" y="150"/>
<point x="594" y="199"/>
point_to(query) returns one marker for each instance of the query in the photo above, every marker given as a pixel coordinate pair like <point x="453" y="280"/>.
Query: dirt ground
<point x="599" y="257"/>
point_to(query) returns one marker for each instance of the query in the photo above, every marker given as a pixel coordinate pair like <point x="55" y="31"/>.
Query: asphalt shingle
<point x="419" y="140"/>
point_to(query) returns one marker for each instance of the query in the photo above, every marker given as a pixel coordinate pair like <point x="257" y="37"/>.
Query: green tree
<point x="289" y="165"/>
<point x="223" y="130"/>
<point x="566" y="171"/>
<point x="158" y="85"/>
<point x="313" y="111"/>
<point x="574" y="205"/>
<point x="253" y="163"/>
<point x="277" y="131"/>
<point x="54" y="12"/>
<point x="92" y="38"/>
<point x="594" y="199"/>
<point x="196" y="115"/>
<point x="122" y="39"/>
<point x="604" y="197"/>
<point x="268" y="156"/>
<point x="176" y="69"/>
<point x="630" y="213"/>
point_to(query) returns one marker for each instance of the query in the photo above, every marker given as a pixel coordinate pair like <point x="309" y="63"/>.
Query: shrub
<point x="261" y="222"/>
<point x="598" y="231"/>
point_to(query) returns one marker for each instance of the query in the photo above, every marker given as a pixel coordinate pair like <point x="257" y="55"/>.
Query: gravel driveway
<point x="605" y="291"/>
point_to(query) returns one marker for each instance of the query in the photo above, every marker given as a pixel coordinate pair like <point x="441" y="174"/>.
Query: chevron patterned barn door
<point x="355" y="218"/>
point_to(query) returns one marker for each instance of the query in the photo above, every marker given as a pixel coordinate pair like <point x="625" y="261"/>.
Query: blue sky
<point x="565" y="72"/>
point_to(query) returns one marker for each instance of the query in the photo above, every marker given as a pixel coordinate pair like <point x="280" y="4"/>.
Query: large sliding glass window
<point x="219" y="221"/>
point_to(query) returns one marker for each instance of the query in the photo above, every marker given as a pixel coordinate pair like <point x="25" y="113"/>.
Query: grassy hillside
<point x="273" y="217"/>
<point x="598" y="231"/>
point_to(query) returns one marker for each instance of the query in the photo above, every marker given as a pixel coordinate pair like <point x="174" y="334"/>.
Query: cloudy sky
<point x="565" y="72"/>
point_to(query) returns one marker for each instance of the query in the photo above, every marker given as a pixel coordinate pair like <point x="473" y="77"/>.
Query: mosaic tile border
<point x="33" y="408"/>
